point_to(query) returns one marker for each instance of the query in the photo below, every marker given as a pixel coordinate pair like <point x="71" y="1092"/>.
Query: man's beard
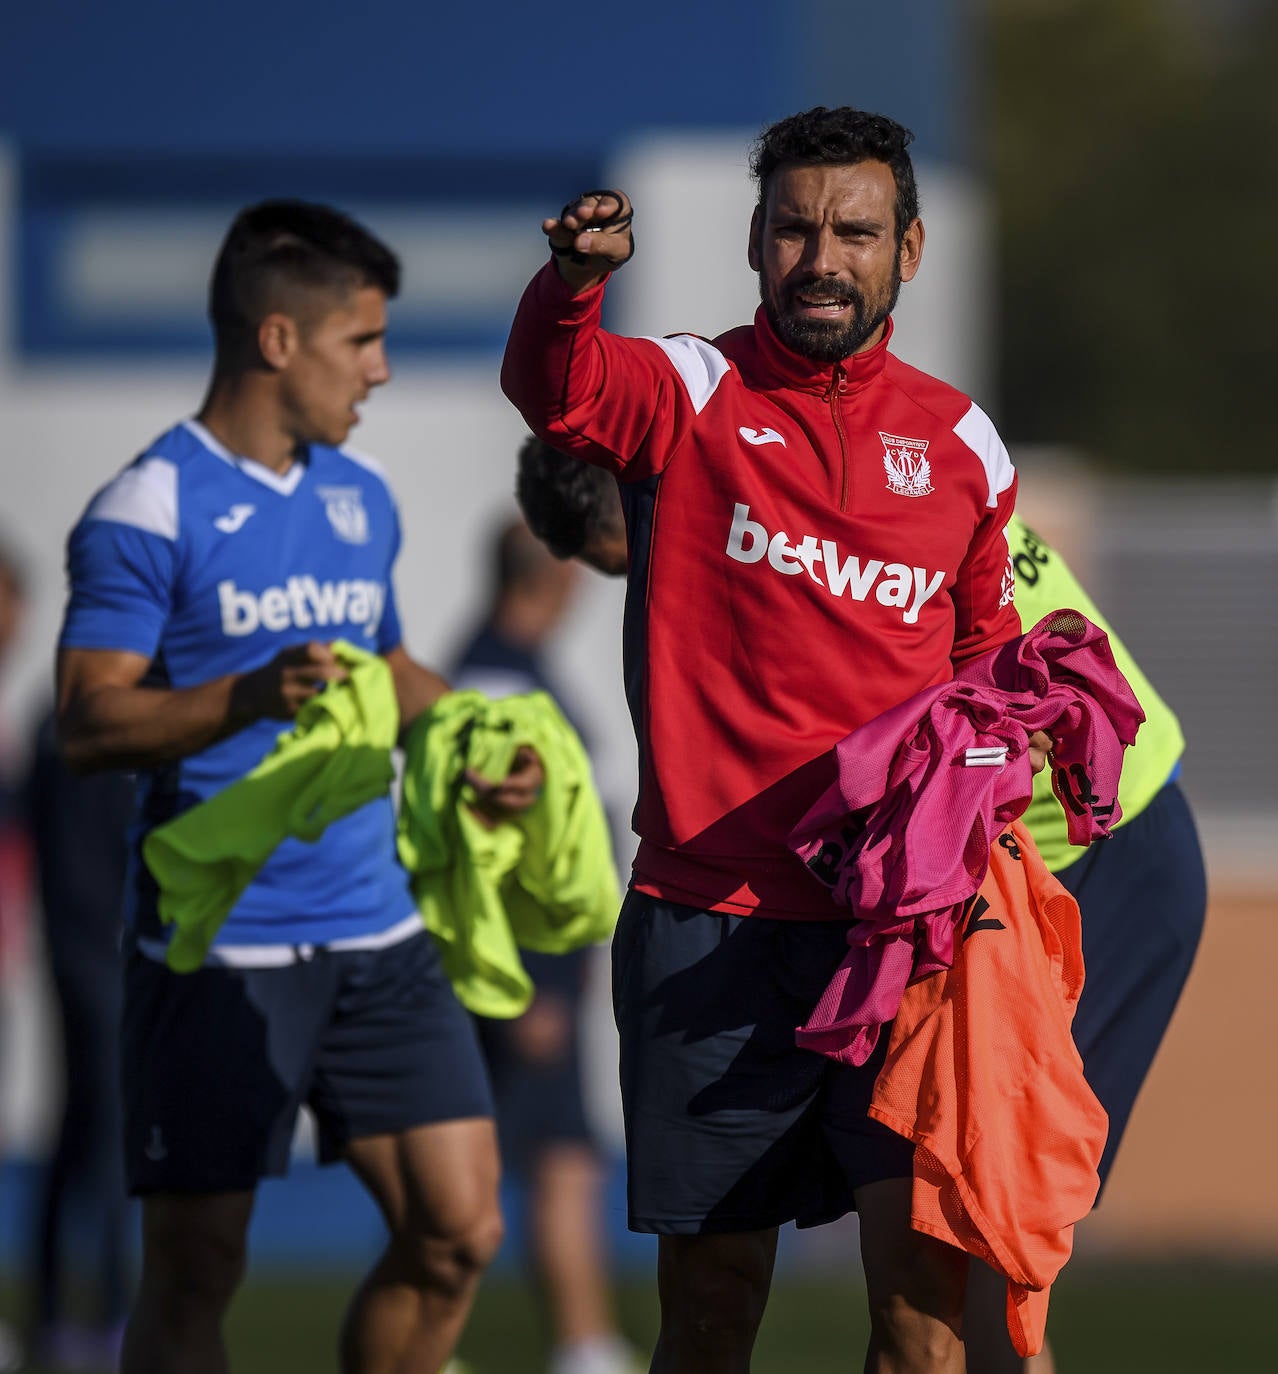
<point x="829" y="341"/>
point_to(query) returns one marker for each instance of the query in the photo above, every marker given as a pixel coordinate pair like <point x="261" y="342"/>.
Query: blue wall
<point x="396" y="77"/>
<point x="127" y="113"/>
<point x="316" y="1219"/>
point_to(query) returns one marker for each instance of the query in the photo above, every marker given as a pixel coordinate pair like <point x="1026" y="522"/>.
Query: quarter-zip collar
<point x="803" y="374"/>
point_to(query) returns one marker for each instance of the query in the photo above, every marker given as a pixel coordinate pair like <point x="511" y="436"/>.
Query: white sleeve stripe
<point x="144" y="496"/>
<point x="977" y="431"/>
<point x="701" y="366"/>
<point x="371" y="464"/>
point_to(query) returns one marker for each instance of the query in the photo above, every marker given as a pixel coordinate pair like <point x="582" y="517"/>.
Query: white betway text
<point x="302" y="602"/>
<point x="893" y="584"/>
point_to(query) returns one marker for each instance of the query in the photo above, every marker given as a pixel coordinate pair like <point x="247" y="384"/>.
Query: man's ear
<point x="277" y="340"/>
<point x="911" y="251"/>
<point x="754" y="252"/>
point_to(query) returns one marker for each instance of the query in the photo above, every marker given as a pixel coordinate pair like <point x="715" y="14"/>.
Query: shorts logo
<point x="893" y="584"/>
<point x="344" y="507"/>
<point x="155" y="1148"/>
<point x="905" y="462"/>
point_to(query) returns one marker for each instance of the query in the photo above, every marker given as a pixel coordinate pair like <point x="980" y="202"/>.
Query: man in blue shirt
<point x="206" y="582"/>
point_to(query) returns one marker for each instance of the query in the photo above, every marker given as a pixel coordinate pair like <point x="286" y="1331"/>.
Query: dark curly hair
<point x="564" y="500"/>
<point x="843" y="135"/>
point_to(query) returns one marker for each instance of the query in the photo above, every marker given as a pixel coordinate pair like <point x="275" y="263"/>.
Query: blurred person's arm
<point x="109" y="718"/>
<point x="417" y="688"/>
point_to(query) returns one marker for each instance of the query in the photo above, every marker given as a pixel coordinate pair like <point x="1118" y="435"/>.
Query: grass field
<point x="1105" y="1320"/>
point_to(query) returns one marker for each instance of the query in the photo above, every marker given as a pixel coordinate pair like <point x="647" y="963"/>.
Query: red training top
<point x="810" y="544"/>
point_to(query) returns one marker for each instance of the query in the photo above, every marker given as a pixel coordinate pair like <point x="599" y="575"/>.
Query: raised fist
<point x="592" y="236"/>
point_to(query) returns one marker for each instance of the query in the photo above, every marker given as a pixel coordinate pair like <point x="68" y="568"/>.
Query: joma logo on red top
<point x="893" y="584"/>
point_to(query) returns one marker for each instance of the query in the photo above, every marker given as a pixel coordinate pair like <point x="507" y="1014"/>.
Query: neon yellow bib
<point x="544" y="880"/>
<point x="1044" y="583"/>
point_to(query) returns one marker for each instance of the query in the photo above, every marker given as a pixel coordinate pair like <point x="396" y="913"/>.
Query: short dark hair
<point x="842" y="135"/>
<point x="278" y="250"/>
<point x="565" y="501"/>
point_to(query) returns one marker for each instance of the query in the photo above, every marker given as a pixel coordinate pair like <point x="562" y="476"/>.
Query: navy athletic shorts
<point x="216" y="1063"/>
<point x="730" y="1126"/>
<point x="538" y="1090"/>
<point x="1143" y="896"/>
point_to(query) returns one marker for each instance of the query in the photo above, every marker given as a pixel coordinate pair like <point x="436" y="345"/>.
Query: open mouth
<point x="820" y="305"/>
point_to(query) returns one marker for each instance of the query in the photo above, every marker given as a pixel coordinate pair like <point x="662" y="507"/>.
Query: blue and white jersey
<point x="209" y="564"/>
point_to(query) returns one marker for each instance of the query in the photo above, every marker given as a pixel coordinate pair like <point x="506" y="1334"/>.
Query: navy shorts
<point x="1142" y="894"/>
<point x="538" y="1088"/>
<point x="216" y="1063"/>
<point x="730" y="1126"/>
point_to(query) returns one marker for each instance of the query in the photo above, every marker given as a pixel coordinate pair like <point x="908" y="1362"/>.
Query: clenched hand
<point x="591" y="237"/>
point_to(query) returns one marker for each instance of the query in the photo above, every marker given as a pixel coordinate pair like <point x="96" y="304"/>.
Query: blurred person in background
<point x="79" y="830"/>
<point x="15" y="849"/>
<point x="534" y="1060"/>
<point x="769" y="442"/>
<point x="206" y="581"/>
<point x="1142" y="894"/>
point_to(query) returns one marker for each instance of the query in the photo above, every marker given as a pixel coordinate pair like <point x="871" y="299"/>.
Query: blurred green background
<point x="1130" y="146"/>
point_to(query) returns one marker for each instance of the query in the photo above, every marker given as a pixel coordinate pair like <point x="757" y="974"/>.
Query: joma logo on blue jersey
<point x="302" y="603"/>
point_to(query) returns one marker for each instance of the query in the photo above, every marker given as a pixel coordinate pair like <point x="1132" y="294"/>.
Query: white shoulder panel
<point x="144" y="496"/>
<point x="699" y="363"/>
<point x="365" y="460"/>
<point x="977" y="431"/>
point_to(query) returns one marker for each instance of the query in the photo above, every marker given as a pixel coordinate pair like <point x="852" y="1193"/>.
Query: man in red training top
<point x="816" y="533"/>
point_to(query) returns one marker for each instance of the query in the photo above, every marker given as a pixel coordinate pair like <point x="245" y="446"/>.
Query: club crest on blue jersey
<point x="344" y="507"/>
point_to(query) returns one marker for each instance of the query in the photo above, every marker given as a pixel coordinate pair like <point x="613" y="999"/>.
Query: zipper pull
<point x="838" y="382"/>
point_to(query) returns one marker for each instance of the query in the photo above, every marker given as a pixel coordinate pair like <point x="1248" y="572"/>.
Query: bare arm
<point x="416" y="687"/>
<point x="108" y="719"/>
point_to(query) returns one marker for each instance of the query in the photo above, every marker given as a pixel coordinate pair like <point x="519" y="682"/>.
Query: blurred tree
<point x="1132" y="146"/>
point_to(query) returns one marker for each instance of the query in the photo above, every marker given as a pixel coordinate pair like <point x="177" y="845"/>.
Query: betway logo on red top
<point x="893" y="584"/>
